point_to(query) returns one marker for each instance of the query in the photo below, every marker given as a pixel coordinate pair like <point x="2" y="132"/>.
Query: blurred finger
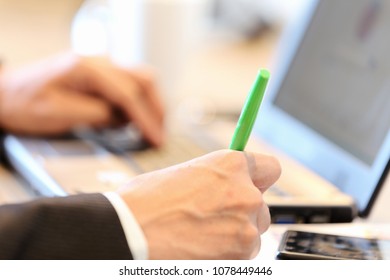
<point x="263" y="219"/>
<point x="64" y="110"/>
<point x="152" y="94"/>
<point x="126" y="94"/>
<point x="264" y="170"/>
<point x="256" y="249"/>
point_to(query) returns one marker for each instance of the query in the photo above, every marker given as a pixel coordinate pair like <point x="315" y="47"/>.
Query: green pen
<point x="249" y="111"/>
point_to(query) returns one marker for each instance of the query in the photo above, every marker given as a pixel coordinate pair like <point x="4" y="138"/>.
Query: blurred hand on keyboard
<point x="207" y="208"/>
<point x="58" y="94"/>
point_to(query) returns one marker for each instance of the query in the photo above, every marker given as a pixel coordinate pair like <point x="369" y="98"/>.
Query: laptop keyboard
<point x="127" y="143"/>
<point x="177" y="149"/>
<point x="117" y="140"/>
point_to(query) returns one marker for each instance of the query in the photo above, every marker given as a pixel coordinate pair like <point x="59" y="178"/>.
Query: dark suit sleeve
<point x="75" y="227"/>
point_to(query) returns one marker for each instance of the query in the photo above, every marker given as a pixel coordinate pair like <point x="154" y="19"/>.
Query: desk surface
<point x="12" y="188"/>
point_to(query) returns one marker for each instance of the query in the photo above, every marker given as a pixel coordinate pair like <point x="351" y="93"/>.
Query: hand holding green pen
<point x="249" y="111"/>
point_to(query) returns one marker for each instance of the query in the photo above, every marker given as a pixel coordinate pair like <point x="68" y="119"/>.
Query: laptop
<point x="325" y="115"/>
<point x="329" y="104"/>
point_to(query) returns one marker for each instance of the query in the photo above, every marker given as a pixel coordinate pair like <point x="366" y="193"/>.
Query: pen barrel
<point x="249" y="111"/>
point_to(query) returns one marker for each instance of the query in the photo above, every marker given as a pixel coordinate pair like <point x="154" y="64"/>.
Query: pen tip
<point x="264" y="73"/>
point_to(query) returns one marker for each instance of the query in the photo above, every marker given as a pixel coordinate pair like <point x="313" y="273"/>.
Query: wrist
<point x="134" y="234"/>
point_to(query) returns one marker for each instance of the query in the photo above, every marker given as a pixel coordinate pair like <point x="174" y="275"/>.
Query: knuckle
<point x="247" y="199"/>
<point x="248" y="239"/>
<point x="235" y="159"/>
<point x="251" y="234"/>
<point x="265" y="221"/>
<point x="253" y="199"/>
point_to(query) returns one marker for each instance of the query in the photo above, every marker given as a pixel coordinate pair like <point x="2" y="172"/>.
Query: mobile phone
<point x="304" y="245"/>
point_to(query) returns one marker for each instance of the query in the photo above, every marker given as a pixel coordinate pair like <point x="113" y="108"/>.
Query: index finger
<point x="264" y="170"/>
<point x="146" y="80"/>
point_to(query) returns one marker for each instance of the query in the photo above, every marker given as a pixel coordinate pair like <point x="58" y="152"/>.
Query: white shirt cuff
<point x="135" y="237"/>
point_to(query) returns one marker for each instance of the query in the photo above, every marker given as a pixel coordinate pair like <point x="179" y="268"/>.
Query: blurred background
<point x="206" y="52"/>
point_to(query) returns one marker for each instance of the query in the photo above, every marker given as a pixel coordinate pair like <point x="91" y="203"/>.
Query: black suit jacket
<point x="75" y="227"/>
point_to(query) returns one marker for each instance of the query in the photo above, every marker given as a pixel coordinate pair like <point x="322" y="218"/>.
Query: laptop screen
<point x="331" y="100"/>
